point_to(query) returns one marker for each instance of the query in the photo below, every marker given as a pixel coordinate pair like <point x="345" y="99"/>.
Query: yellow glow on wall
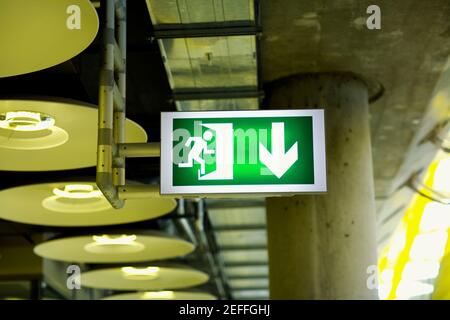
<point x="442" y="284"/>
<point x="407" y="253"/>
<point x="407" y="289"/>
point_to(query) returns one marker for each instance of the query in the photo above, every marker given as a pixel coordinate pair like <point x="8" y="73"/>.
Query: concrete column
<point x="320" y="246"/>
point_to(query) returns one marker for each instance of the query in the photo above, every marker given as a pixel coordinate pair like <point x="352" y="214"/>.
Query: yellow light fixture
<point x="77" y="204"/>
<point x="114" y="248"/>
<point x="163" y="278"/>
<point x="48" y="135"/>
<point x="40" y="34"/>
<point x="162" y="295"/>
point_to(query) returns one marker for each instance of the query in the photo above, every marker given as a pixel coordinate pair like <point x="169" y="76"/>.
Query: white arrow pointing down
<point x="278" y="162"/>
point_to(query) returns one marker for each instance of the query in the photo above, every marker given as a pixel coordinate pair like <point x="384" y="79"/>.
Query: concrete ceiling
<point x="406" y="56"/>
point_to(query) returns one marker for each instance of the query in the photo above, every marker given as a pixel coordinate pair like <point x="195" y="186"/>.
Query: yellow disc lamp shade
<point x="162" y="295"/>
<point x="39" y="135"/>
<point x="39" y="34"/>
<point x="147" y="278"/>
<point x="116" y="248"/>
<point x="75" y="204"/>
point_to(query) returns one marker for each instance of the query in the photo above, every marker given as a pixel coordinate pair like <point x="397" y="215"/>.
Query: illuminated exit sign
<point x="242" y="152"/>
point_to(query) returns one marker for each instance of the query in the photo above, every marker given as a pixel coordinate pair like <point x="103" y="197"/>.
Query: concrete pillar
<point x="320" y="246"/>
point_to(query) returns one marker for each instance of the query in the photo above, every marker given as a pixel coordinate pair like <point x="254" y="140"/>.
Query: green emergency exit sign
<point x="242" y="152"/>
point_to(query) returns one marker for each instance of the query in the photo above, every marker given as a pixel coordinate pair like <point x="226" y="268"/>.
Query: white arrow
<point x="278" y="162"/>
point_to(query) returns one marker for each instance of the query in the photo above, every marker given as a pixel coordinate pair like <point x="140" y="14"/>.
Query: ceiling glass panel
<point x="236" y="238"/>
<point x="248" y="283"/>
<point x="251" y="294"/>
<point x="237" y="216"/>
<point x="210" y="62"/>
<point x="199" y="11"/>
<point x="218" y="104"/>
<point x="244" y="256"/>
<point x="243" y="271"/>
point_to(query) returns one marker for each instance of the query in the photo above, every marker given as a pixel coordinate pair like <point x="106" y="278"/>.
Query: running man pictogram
<point x="199" y="147"/>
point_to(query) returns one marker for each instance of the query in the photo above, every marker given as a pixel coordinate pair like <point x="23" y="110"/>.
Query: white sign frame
<point x="166" y="164"/>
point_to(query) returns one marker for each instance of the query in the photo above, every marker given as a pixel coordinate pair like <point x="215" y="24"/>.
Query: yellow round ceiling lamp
<point x="150" y="278"/>
<point x="26" y="130"/>
<point x="114" y="248"/>
<point x="76" y="198"/>
<point x="44" y="135"/>
<point x="75" y="204"/>
<point x="162" y="295"/>
<point x="41" y="34"/>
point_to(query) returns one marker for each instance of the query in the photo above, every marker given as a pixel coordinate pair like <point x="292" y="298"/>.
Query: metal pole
<point x="204" y="245"/>
<point x="185" y="224"/>
<point x="138" y="150"/>
<point x="106" y="146"/>
<point x="119" y="113"/>
<point x="112" y="149"/>
<point x="138" y="191"/>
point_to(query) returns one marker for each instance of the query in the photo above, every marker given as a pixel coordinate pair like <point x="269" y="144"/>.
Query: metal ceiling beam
<point x="245" y="264"/>
<point x="249" y="227"/>
<point x="250" y="289"/>
<point x="217" y="93"/>
<point x="242" y="247"/>
<point x="210" y="29"/>
<point x="235" y="203"/>
<point x="248" y="277"/>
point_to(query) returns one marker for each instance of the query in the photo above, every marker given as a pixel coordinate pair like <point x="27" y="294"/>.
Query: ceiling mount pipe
<point x="206" y="248"/>
<point x="112" y="149"/>
<point x="106" y="135"/>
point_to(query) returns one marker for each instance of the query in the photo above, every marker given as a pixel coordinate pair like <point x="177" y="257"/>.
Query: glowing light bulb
<point x="78" y="191"/>
<point x="144" y="274"/>
<point x="26" y="121"/>
<point x="120" y="240"/>
<point x="122" y="244"/>
<point x="159" y="295"/>
<point x="149" y="271"/>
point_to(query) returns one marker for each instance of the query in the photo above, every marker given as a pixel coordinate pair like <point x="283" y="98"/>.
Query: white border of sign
<point x="319" y="185"/>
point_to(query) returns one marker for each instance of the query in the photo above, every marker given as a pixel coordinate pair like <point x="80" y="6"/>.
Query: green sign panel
<point x="242" y="152"/>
